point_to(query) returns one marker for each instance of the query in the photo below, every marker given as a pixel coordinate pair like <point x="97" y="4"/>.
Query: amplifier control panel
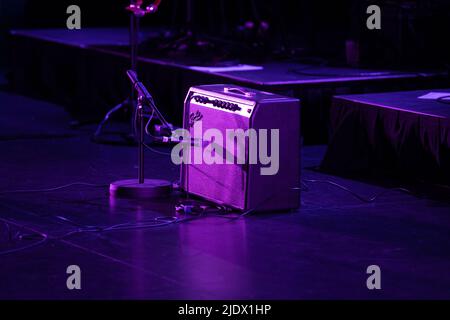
<point x="223" y="104"/>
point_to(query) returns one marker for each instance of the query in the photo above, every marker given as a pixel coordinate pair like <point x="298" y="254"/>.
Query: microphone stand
<point x="136" y="12"/>
<point x="141" y="188"/>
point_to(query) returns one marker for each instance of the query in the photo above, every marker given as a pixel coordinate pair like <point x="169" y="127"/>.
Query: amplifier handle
<point x="237" y="90"/>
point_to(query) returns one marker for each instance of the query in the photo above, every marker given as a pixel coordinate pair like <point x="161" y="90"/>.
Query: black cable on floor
<point x="359" y="197"/>
<point x="43" y="237"/>
<point x="55" y="188"/>
<point x="205" y="209"/>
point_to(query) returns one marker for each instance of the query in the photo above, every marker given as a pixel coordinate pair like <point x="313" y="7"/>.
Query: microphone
<point x="143" y="92"/>
<point x="140" y="88"/>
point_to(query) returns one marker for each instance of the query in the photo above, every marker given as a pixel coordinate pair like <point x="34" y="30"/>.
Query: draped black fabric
<point x="390" y="134"/>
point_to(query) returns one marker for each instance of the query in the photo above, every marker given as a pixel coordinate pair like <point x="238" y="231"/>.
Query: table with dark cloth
<point x="390" y="134"/>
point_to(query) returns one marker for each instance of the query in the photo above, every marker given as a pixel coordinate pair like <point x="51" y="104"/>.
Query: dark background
<point x="413" y="34"/>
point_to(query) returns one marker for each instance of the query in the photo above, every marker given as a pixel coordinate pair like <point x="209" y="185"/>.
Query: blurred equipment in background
<point x="136" y="12"/>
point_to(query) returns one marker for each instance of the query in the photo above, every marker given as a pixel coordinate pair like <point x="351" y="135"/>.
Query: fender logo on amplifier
<point x="194" y="117"/>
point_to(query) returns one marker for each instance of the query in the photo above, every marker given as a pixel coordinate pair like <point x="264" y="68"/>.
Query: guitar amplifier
<point x="245" y="148"/>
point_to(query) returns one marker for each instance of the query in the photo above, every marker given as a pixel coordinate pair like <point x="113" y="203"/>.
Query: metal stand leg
<point x="108" y="114"/>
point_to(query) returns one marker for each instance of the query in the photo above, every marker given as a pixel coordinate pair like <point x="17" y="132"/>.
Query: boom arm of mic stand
<point x="148" y="99"/>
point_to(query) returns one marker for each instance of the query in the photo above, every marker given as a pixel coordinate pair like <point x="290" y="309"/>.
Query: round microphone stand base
<point x="131" y="188"/>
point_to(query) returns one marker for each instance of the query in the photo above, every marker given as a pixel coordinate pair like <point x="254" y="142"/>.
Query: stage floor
<point x="322" y="251"/>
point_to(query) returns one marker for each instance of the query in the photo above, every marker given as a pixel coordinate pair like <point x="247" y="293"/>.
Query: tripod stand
<point x="136" y="13"/>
